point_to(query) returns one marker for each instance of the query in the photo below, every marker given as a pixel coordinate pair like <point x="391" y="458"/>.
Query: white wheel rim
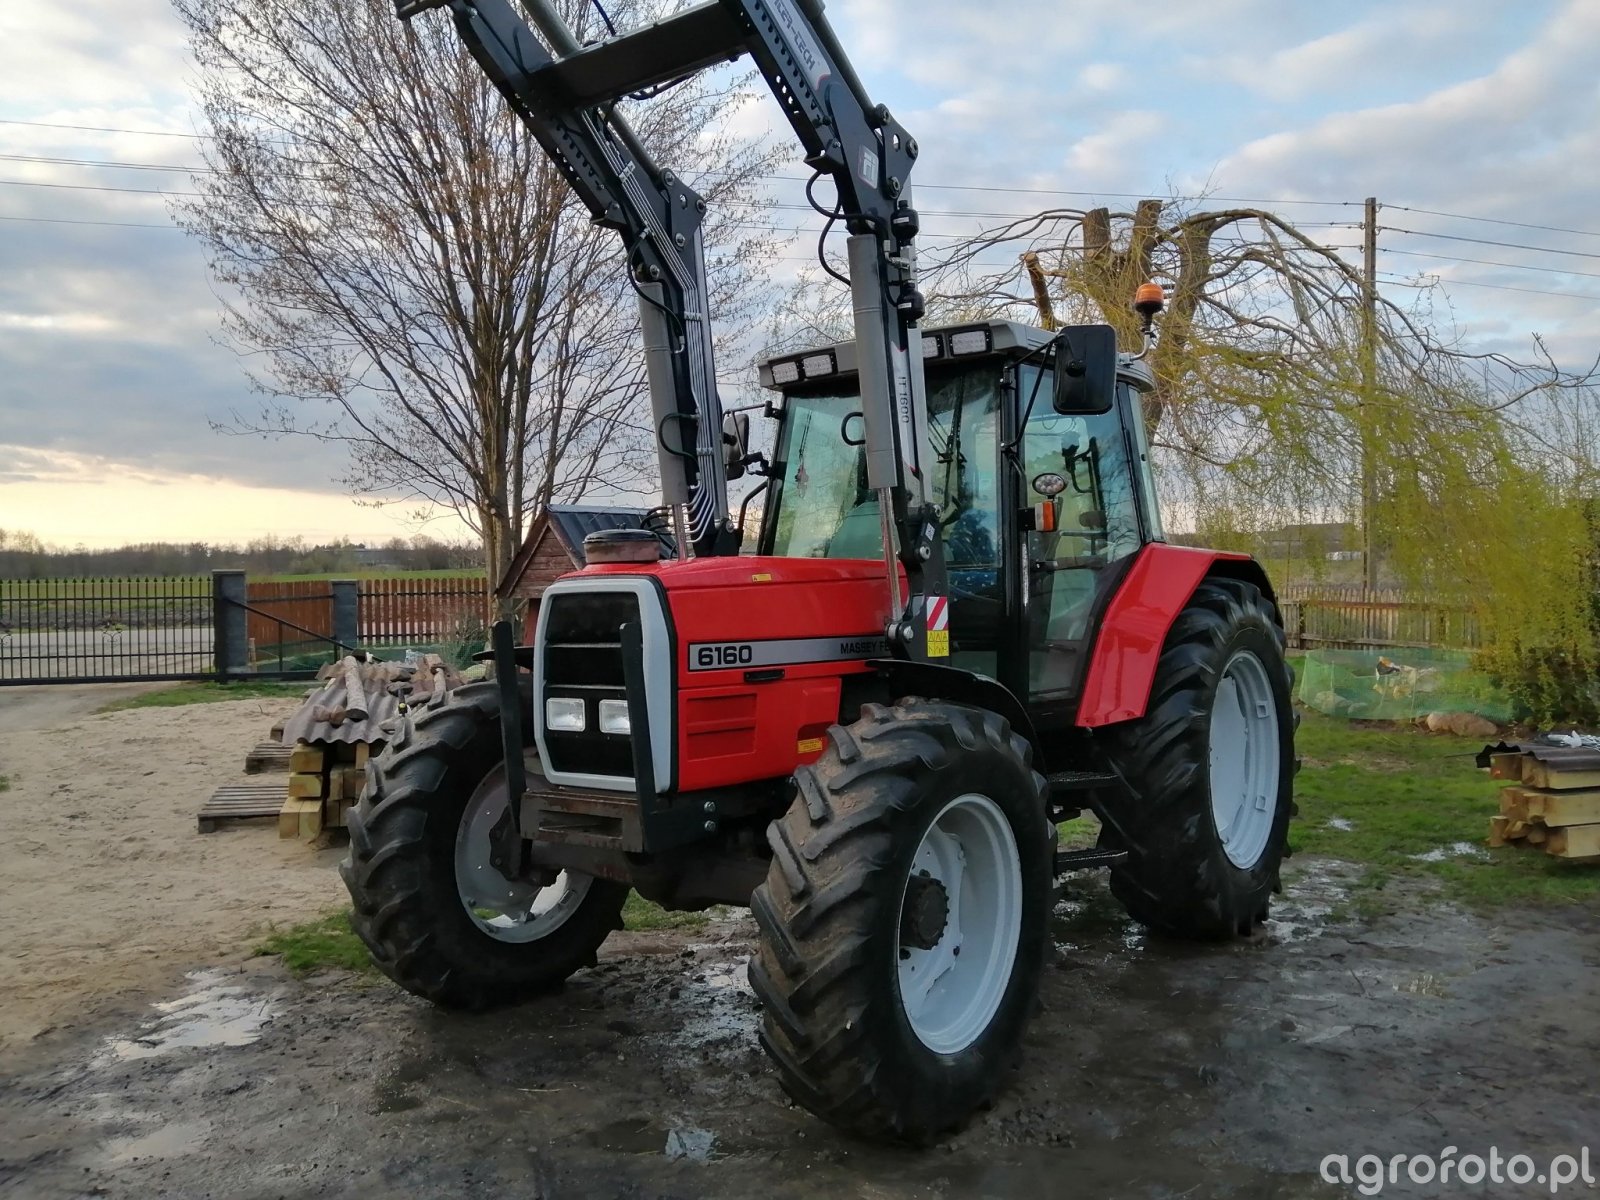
<point x="951" y="991"/>
<point x="1244" y="751"/>
<point x="505" y="910"/>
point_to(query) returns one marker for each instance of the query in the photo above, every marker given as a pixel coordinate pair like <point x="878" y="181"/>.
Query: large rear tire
<point x="904" y="918"/>
<point x="438" y="919"/>
<point x="1211" y="765"/>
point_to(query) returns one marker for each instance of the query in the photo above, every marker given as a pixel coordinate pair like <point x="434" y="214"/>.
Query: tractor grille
<point x="583" y="660"/>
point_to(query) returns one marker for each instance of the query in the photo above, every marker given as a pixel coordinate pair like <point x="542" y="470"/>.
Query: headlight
<point x="565" y="714"/>
<point x="614" y="717"/>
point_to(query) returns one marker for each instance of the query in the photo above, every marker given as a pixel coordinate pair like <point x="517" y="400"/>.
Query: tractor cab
<point x="1041" y="510"/>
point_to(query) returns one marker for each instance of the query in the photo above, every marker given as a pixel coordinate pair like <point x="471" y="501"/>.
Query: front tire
<point x="921" y="833"/>
<point x="1211" y="767"/>
<point x="438" y="919"/>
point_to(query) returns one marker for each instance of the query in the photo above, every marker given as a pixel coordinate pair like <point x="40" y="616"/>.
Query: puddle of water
<point x="718" y="1010"/>
<point x="1454" y="850"/>
<point x="170" y="1141"/>
<point x="1088" y="914"/>
<point x="690" y="1143"/>
<point x="211" y="1013"/>
<point x="1308" y="900"/>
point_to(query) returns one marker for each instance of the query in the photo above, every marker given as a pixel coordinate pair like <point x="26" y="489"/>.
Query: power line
<point x="1484" y="262"/>
<point x="105" y="129"/>
<point x="65" y="221"/>
<point x="1447" y="284"/>
<point x="51" y="160"/>
<point x="1433" y="212"/>
<point x="1455" y="237"/>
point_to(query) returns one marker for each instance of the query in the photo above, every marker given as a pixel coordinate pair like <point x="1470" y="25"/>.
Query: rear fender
<point x="1128" y="642"/>
<point x="934" y="682"/>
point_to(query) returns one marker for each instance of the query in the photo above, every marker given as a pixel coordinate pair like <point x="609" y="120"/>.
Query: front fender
<point x="1128" y="641"/>
<point x="935" y="682"/>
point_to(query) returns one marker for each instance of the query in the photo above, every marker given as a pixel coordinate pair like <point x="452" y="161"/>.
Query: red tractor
<point x="962" y="625"/>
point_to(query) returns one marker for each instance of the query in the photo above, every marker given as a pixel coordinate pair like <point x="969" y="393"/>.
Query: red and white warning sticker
<point x="938" y="610"/>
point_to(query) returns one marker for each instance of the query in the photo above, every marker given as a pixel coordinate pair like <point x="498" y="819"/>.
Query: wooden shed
<point x="553" y="547"/>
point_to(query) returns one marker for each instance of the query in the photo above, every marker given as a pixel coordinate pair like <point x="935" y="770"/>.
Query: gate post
<point x="230" y="623"/>
<point x="346" y="613"/>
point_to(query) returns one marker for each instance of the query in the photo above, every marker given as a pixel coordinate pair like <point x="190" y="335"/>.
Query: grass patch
<point x="639" y="914"/>
<point x="1404" y="793"/>
<point x="1080" y="833"/>
<point x="206" y="693"/>
<point x="316" y="945"/>
<point x="5" y="783"/>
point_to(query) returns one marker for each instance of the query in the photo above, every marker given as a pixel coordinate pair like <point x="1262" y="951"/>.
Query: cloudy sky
<point x="1476" y="123"/>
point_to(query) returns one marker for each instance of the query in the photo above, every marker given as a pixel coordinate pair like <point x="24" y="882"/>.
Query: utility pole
<point x="1369" y="391"/>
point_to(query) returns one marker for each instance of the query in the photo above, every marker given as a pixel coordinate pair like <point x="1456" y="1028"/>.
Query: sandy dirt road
<point x="105" y="887"/>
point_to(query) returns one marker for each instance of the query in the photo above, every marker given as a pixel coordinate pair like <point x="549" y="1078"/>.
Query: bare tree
<point x="410" y="277"/>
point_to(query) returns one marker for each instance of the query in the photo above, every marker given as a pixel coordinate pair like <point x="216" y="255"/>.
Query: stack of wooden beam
<point x="325" y="781"/>
<point x="1551" y="800"/>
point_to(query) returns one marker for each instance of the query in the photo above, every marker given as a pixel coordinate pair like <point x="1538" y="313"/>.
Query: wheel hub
<point x="925" y="914"/>
<point x="964" y="893"/>
<point x="516" y="910"/>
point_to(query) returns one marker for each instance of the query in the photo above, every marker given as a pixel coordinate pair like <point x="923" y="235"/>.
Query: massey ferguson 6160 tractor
<point x="961" y="626"/>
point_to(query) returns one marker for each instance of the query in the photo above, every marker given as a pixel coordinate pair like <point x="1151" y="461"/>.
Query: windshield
<point x="823" y="507"/>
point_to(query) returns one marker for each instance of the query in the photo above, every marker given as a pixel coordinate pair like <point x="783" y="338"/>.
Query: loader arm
<point x="567" y="95"/>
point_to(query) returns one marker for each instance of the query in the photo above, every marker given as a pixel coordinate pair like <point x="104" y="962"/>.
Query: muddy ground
<point x="1155" y="1070"/>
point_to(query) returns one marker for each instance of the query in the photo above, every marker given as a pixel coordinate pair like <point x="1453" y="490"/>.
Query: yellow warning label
<point x="938" y="643"/>
<point x="808" y="746"/>
<point x="761" y="579"/>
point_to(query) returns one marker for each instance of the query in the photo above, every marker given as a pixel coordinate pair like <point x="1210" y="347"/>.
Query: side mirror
<point x="735" y="443"/>
<point x="1086" y="369"/>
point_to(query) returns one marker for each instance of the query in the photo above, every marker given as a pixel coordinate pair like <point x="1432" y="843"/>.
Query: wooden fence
<point x="424" y="608"/>
<point x="1320" y="617"/>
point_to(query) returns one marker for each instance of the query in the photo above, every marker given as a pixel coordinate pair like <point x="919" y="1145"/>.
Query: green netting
<point x="1398" y="685"/>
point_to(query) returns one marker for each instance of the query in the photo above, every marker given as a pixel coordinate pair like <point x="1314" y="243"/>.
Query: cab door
<point x="1088" y="469"/>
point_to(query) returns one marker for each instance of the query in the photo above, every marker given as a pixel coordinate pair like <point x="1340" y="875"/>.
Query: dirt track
<point x="1153" y="1071"/>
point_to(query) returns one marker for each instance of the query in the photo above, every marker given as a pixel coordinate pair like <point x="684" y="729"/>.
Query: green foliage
<point x="5" y="783"/>
<point x="639" y="914"/>
<point x="1410" y="799"/>
<point x="205" y="693"/>
<point x="325" y="943"/>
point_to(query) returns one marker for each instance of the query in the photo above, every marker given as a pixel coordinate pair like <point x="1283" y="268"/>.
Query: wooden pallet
<point x="241" y="802"/>
<point x="267" y="756"/>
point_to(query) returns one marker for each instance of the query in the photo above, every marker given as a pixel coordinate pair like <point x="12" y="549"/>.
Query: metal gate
<point x="107" y="630"/>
